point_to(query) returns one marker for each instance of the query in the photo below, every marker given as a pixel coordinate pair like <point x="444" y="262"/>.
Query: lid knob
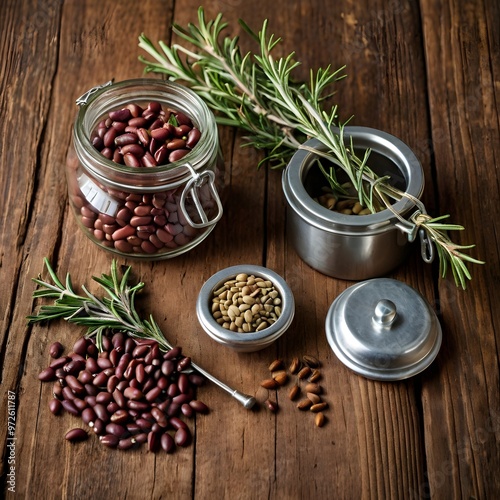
<point x="385" y="313"/>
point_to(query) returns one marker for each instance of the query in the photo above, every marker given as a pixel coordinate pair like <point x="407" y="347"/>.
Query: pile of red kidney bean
<point x="143" y="223"/>
<point x="145" y="136"/>
<point x="128" y="394"/>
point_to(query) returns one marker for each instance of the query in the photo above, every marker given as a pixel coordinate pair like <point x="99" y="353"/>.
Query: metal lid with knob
<point x="383" y="329"/>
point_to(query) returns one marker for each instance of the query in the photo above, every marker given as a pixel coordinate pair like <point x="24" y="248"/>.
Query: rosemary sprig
<point x="114" y="311"/>
<point x="256" y="93"/>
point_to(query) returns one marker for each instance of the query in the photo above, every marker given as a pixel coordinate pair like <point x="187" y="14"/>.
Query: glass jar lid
<point x="383" y="329"/>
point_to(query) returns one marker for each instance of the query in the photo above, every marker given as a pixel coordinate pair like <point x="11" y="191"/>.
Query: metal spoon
<point x="246" y="400"/>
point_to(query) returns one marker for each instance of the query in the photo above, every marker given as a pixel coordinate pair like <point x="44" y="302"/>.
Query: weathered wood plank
<point x="462" y="65"/>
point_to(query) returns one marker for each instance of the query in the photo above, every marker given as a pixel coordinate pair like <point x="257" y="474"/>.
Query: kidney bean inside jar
<point x="145" y="136"/>
<point x="142" y="136"/>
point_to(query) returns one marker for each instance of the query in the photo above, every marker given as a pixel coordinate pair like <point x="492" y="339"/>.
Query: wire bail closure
<point x="411" y="228"/>
<point x="84" y="99"/>
<point x="197" y="181"/>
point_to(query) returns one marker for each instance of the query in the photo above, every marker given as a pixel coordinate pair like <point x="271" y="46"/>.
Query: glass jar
<point x="153" y="212"/>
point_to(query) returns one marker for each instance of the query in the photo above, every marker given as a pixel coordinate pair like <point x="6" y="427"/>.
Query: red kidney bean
<point x="122" y="385"/>
<point x="133" y="393"/>
<point x="91" y="389"/>
<point x="144" y="424"/>
<point x="120" y="127"/>
<point x="80" y="346"/>
<point x="91" y="365"/>
<point x="101" y="412"/>
<point x="172" y="390"/>
<point x="182" y="437"/>
<point x="59" y="362"/>
<point x="114" y="357"/>
<point x="90" y="400"/>
<point x="135" y="109"/>
<point x="55" y="350"/>
<point x="184" y="364"/>
<point x="167" y="443"/>
<point x="120" y="416"/>
<point x="55" y="406"/>
<point x="126" y="443"/>
<point x="119" y="399"/>
<point x="69" y="406"/>
<point x="68" y="393"/>
<point x="85" y="377"/>
<point x="109" y="137"/>
<point x="121" y="115"/>
<point x="81" y="404"/>
<point x="129" y="345"/>
<point x="160" y="134"/>
<point x="137" y="405"/>
<point x="162" y="383"/>
<point x="92" y="350"/>
<point x="99" y="427"/>
<point x="177" y="155"/>
<point x="180" y="399"/>
<point x="187" y="410"/>
<point x="109" y="440"/>
<point x="133" y="428"/>
<point x="161" y="155"/>
<point x="136" y="149"/>
<point x="135" y="384"/>
<point x="131" y="160"/>
<point x="198" y="406"/>
<point x="141" y="437"/>
<point x="100" y="380"/>
<point x="77" y="357"/>
<point x="148" y="385"/>
<point x="57" y="390"/>
<point x="153" y="394"/>
<point x="112" y="407"/>
<point x="88" y="415"/>
<point x="104" y="363"/>
<point x="140" y="350"/>
<point x="76" y="434"/>
<point x="183" y="383"/>
<point x="173" y="353"/>
<point x="116" y="429"/>
<point x="104" y="398"/>
<point x="153" y="442"/>
<point x="176" y="144"/>
<point x="196" y="379"/>
<point x="173" y="409"/>
<point x="113" y="381"/>
<point x="75" y="385"/>
<point x="143" y="136"/>
<point x="47" y="375"/>
<point x="177" y="423"/>
<point x="74" y="366"/>
<point x="192" y="138"/>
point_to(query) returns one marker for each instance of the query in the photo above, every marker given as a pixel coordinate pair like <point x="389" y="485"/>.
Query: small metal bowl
<point x="245" y="342"/>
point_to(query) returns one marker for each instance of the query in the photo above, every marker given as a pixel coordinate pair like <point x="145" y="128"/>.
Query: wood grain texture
<point x="426" y="71"/>
<point x="463" y="68"/>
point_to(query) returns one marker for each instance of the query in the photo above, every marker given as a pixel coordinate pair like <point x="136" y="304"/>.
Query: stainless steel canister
<point x="352" y="247"/>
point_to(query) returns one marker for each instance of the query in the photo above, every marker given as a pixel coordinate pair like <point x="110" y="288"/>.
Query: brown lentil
<point x="246" y="304"/>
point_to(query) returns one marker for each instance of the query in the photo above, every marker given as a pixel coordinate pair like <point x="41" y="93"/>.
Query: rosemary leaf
<point x="115" y="311"/>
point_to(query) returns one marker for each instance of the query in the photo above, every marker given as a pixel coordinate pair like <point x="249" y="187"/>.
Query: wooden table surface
<point x="426" y="71"/>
